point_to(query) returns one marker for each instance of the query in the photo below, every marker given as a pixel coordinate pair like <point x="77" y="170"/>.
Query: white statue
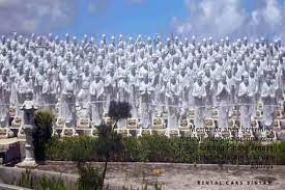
<point x="110" y="85"/>
<point x="268" y="96"/>
<point x="38" y="86"/>
<point x="67" y="101"/>
<point x="49" y="88"/>
<point x="5" y="91"/>
<point x="173" y="103"/>
<point x="199" y="94"/>
<point x="246" y="95"/>
<point x="124" y="94"/>
<point x="83" y="96"/>
<point x="97" y="98"/>
<point x="134" y="87"/>
<point x="223" y="96"/>
<point x="146" y="99"/>
<point x="24" y="89"/>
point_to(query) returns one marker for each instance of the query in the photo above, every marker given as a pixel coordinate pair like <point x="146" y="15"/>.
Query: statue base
<point x="124" y="131"/>
<point x="94" y="132"/>
<point x="144" y="132"/>
<point x="172" y="132"/>
<point x="27" y="163"/>
<point x="6" y="133"/>
<point x="17" y="121"/>
<point x="21" y="134"/>
<point x="68" y="132"/>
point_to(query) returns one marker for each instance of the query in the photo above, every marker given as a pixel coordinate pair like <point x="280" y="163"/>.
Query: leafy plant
<point x="90" y="178"/>
<point x="42" y="133"/>
<point x="45" y="183"/>
<point x="26" y="179"/>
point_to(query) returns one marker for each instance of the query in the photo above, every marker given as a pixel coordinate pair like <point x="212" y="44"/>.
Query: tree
<point x="108" y="146"/>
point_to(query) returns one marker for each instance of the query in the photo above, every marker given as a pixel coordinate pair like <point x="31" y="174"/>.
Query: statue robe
<point x="67" y="103"/>
<point x="199" y="94"/>
<point x="96" y="94"/>
<point x="223" y="96"/>
<point x="173" y="99"/>
<point x="5" y="92"/>
<point x="246" y="95"/>
<point x="146" y="95"/>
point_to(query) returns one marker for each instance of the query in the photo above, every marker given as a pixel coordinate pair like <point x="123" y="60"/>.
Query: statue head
<point x="5" y="74"/>
<point x="121" y="37"/>
<point x="193" y="40"/>
<point x="27" y="74"/>
<point x="186" y="42"/>
<point x="4" y="51"/>
<point x="246" y="78"/>
<point x="224" y="77"/>
<point x="64" y="69"/>
<point x="50" y="37"/>
<point x="204" y="42"/>
<point x="3" y="39"/>
<point x="10" y="57"/>
<point x="245" y="40"/>
<point x="90" y="57"/>
<point x="113" y="40"/>
<point x="142" y="53"/>
<point x="96" y="76"/>
<point x="199" y="80"/>
<point x="213" y="66"/>
<point x="68" y="57"/>
<point x="100" y="60"/>
<point x="67" y="37"/>
<point x="222" y="42"/>
<point x="145" y="78"/>
<point x="173" y="80"/>
<point x="268" y="79"/>
<point x="238" y="43"/>
<point x="125" y="78"/>
<point x="41" y="68"/>
<point x="257" y="43"/>
<point x="149" y="40"/>
<point x="251" y="73"/>
<point x="262" y="39"/>
<point x="74" y="39"/>
<point x="49" y="74"/>
<point x="29" y="95"/>
<point x="229" y="72"/>
<point x="15" y="35"/>
<point x="103" y="37"/>
<point x="57" y="40"/>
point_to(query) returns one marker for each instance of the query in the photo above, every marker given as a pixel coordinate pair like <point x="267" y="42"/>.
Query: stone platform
<point x="11" y="149"/>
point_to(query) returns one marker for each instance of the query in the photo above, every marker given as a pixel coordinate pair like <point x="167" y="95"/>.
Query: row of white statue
<point x="159" y="78"/>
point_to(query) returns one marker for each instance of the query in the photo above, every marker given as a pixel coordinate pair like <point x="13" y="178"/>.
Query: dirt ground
<point x="186" y="176"/>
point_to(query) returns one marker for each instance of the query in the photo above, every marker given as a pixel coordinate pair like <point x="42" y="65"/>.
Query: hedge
<point x="163" y="149"/>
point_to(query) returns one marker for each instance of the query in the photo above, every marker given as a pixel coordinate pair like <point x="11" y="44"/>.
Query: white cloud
<point x="222" y="18"/>
<point x="272" y="13"/>
<point x="33" y="16"/>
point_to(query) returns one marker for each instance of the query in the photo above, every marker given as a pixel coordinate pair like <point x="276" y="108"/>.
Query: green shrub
<point x="90" y="178"/>
<point x="45" y="183"/>
<point x="162" y="149"/>
<point x="80" y="148"/>
<point x="42" y="133"/>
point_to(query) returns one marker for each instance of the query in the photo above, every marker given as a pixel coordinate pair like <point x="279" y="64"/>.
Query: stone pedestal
<point x="28" y="127"/>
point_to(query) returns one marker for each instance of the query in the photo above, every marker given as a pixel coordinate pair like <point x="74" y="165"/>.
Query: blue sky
<point x="203" y="18"/>
<point x="126" y="17"/>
